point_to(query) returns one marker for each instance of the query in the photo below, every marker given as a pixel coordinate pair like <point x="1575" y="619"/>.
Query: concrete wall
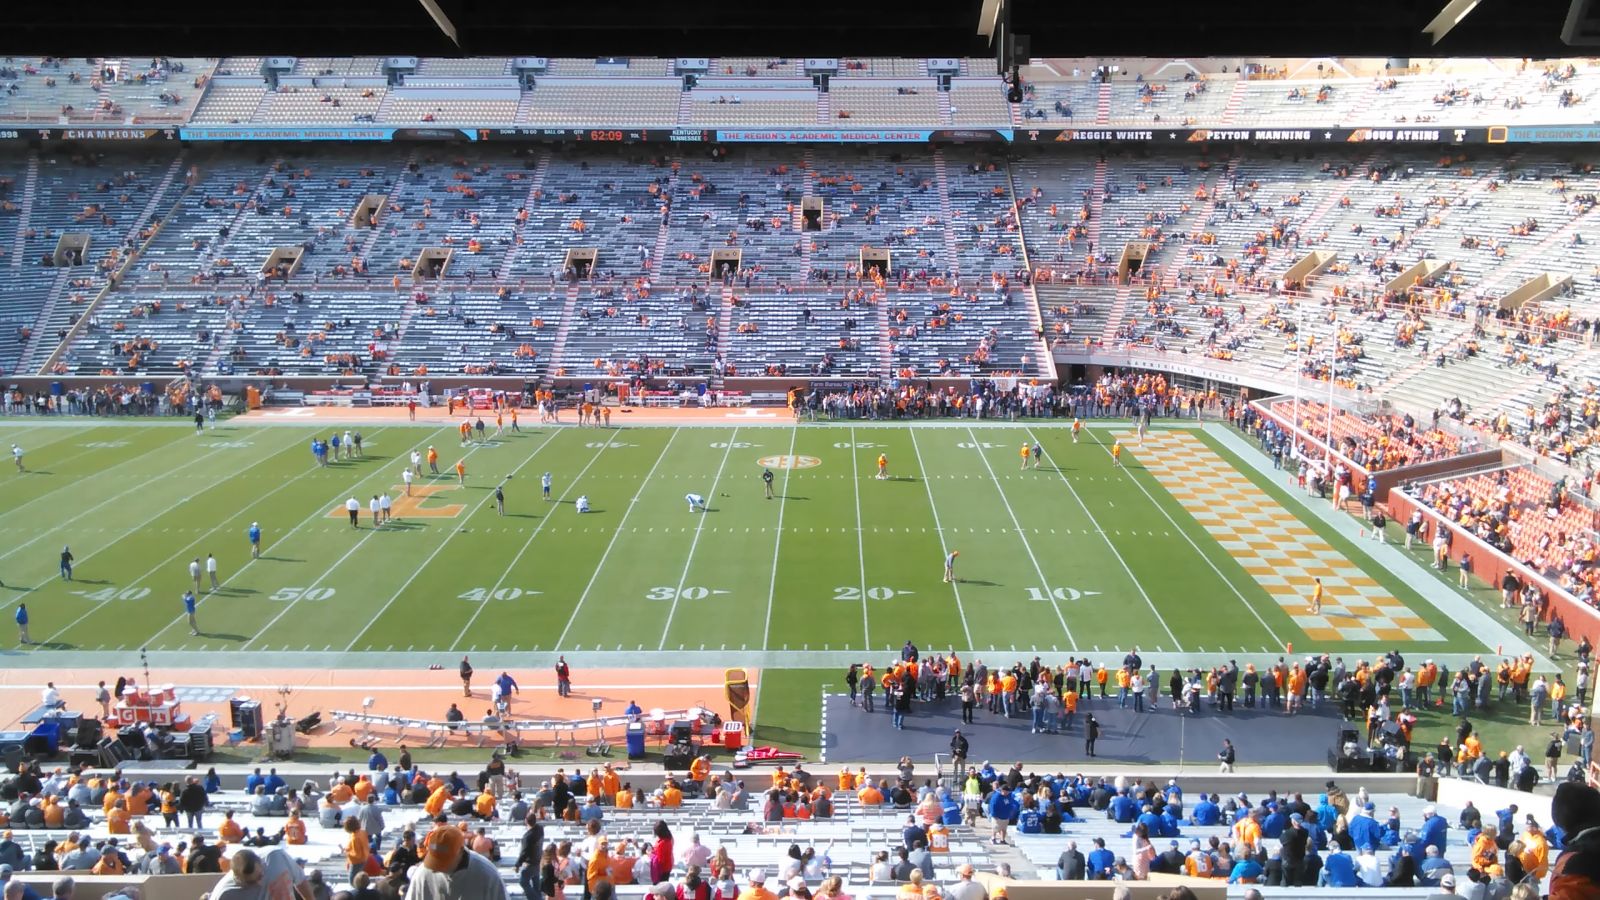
<point x="153" y="887"/>
<point x="1491" y="565"/>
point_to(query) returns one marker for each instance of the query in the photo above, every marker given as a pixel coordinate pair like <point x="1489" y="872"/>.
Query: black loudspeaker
<point x="678" y="758"/>
<point x="682" y="730"/>
<point x="131" y="737"/>
<point x="81" y="758"/>
<point x="89" y="732"/>
<point x="113" y="753"/>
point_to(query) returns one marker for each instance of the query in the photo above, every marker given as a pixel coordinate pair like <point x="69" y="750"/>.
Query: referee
<point x="766" y="478"/>
<point x="500" y="499"/>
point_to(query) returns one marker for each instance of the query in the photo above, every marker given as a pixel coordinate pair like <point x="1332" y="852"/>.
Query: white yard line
<point x="138" y="485"/>
<point x="955" y="586"/>
<point x="320" y="515"/>
<point x="861" y="547"/>
<point x="168" y="561"/>
<point x="347" y="554"/>
<point x="80" y="560"/>
<point x="1044" y="580"/>
<point x="1178" y="647"/>
<point x="1179" y="528"/>
<point x="29" y="454"/>
<point x="550" y="514"/>
<point x="376" y="617"/>
<point x="601" y="565"/>
<point x="772" y="587"/>
<point x="699" y="528"/>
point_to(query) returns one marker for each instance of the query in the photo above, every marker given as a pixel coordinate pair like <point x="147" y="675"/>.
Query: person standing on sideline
<point x="950" y="566"/>
<point x="1091" y="733"/>
<point x="405" y="476"/>
<point x="22" y="624"/>
<point x="16" y="457"/>
<point x="433" y="461"/>
<point x="563" y="678"/>
<point x="66" y="563"/>
<point x="355" y="448"/>
<point x="199" y="423"/>
<point x="411" y="409"/>
<point x="461" y="472"/>
<point x="883" y="466"/>
<point x="466" y="677"/>
<point x="1027" y="453"/>
<point x="1038" y="453"/>
<point x="211" y="571"/>
<point x="500" y="499"/>
<point x="1077" y="426"/>
<point x="102" y="696"/>
<point x="194" y="573"/>
<point x="416" y="463"/>
<point x="1116" y="454"/>
<point x="385" y="505"/>
<point x="255" y="540"/>
<point x="766" y="479"/>
<point x="544" y="485"/>
<point x="188" y="610"/>
<point x="969" y="700"/>
<point x="376" y="508"/>
<point x="1316" y="598"/>
<point x="353" y="507"/>
<point x="1226" y="756"/>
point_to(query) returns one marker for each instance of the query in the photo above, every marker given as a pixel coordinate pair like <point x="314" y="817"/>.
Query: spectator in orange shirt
<point x="230" y="832"/>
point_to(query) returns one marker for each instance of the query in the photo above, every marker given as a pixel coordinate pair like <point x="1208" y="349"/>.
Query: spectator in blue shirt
<point x="1101" y="861"/>
<point x="1245" y="871"/>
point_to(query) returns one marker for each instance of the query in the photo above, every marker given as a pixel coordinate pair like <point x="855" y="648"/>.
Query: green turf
<point x="1074" y="555"/>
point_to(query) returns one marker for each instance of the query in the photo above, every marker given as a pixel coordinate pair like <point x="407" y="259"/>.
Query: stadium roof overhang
<point x="1390" y="28"/>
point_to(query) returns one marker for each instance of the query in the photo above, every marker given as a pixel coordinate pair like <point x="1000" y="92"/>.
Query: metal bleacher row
<point x="640" y="92"/>
<point x="845" y="845"/>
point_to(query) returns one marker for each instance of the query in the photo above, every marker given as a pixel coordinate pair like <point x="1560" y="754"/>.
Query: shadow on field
<point x="234" y="638"/>
<point x="773" y="734"/>
<point x="282" y="559"/>
<point x="790" y="497"/>
<point x="90" y="581"/>
<point x="55" y="645"/>
<point x="399" y="525"/>
<point x="978" y="582"/>
<point x="521" y="516"/>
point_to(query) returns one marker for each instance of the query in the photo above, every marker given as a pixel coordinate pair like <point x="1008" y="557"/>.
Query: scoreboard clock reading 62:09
<point x="606" y="136"/>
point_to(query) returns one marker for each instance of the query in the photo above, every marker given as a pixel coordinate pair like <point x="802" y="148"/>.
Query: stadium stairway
<point x="1235" y="101"/>
<point x="535" y="187"/>
<point x="944" y="109"/>
<point x="724" y="329"/>
<point x="824" y="109"/>
<point x="563" y="331"/>
<point x="158" y="197"/>
<point x="658" y="256"/>
<point x="1102" y="107"/>
<point x="373" y="234"/>
<point x="1542" y="250"/>
<point x="30" y="190"/>
<point x="941" y="174"/>
<point x="1097" y="204"/>
<point x="810" y="169"/>
<point x="44" y="337"/>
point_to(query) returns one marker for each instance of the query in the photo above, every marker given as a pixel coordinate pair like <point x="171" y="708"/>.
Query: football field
<point x="1184" y="549"/>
